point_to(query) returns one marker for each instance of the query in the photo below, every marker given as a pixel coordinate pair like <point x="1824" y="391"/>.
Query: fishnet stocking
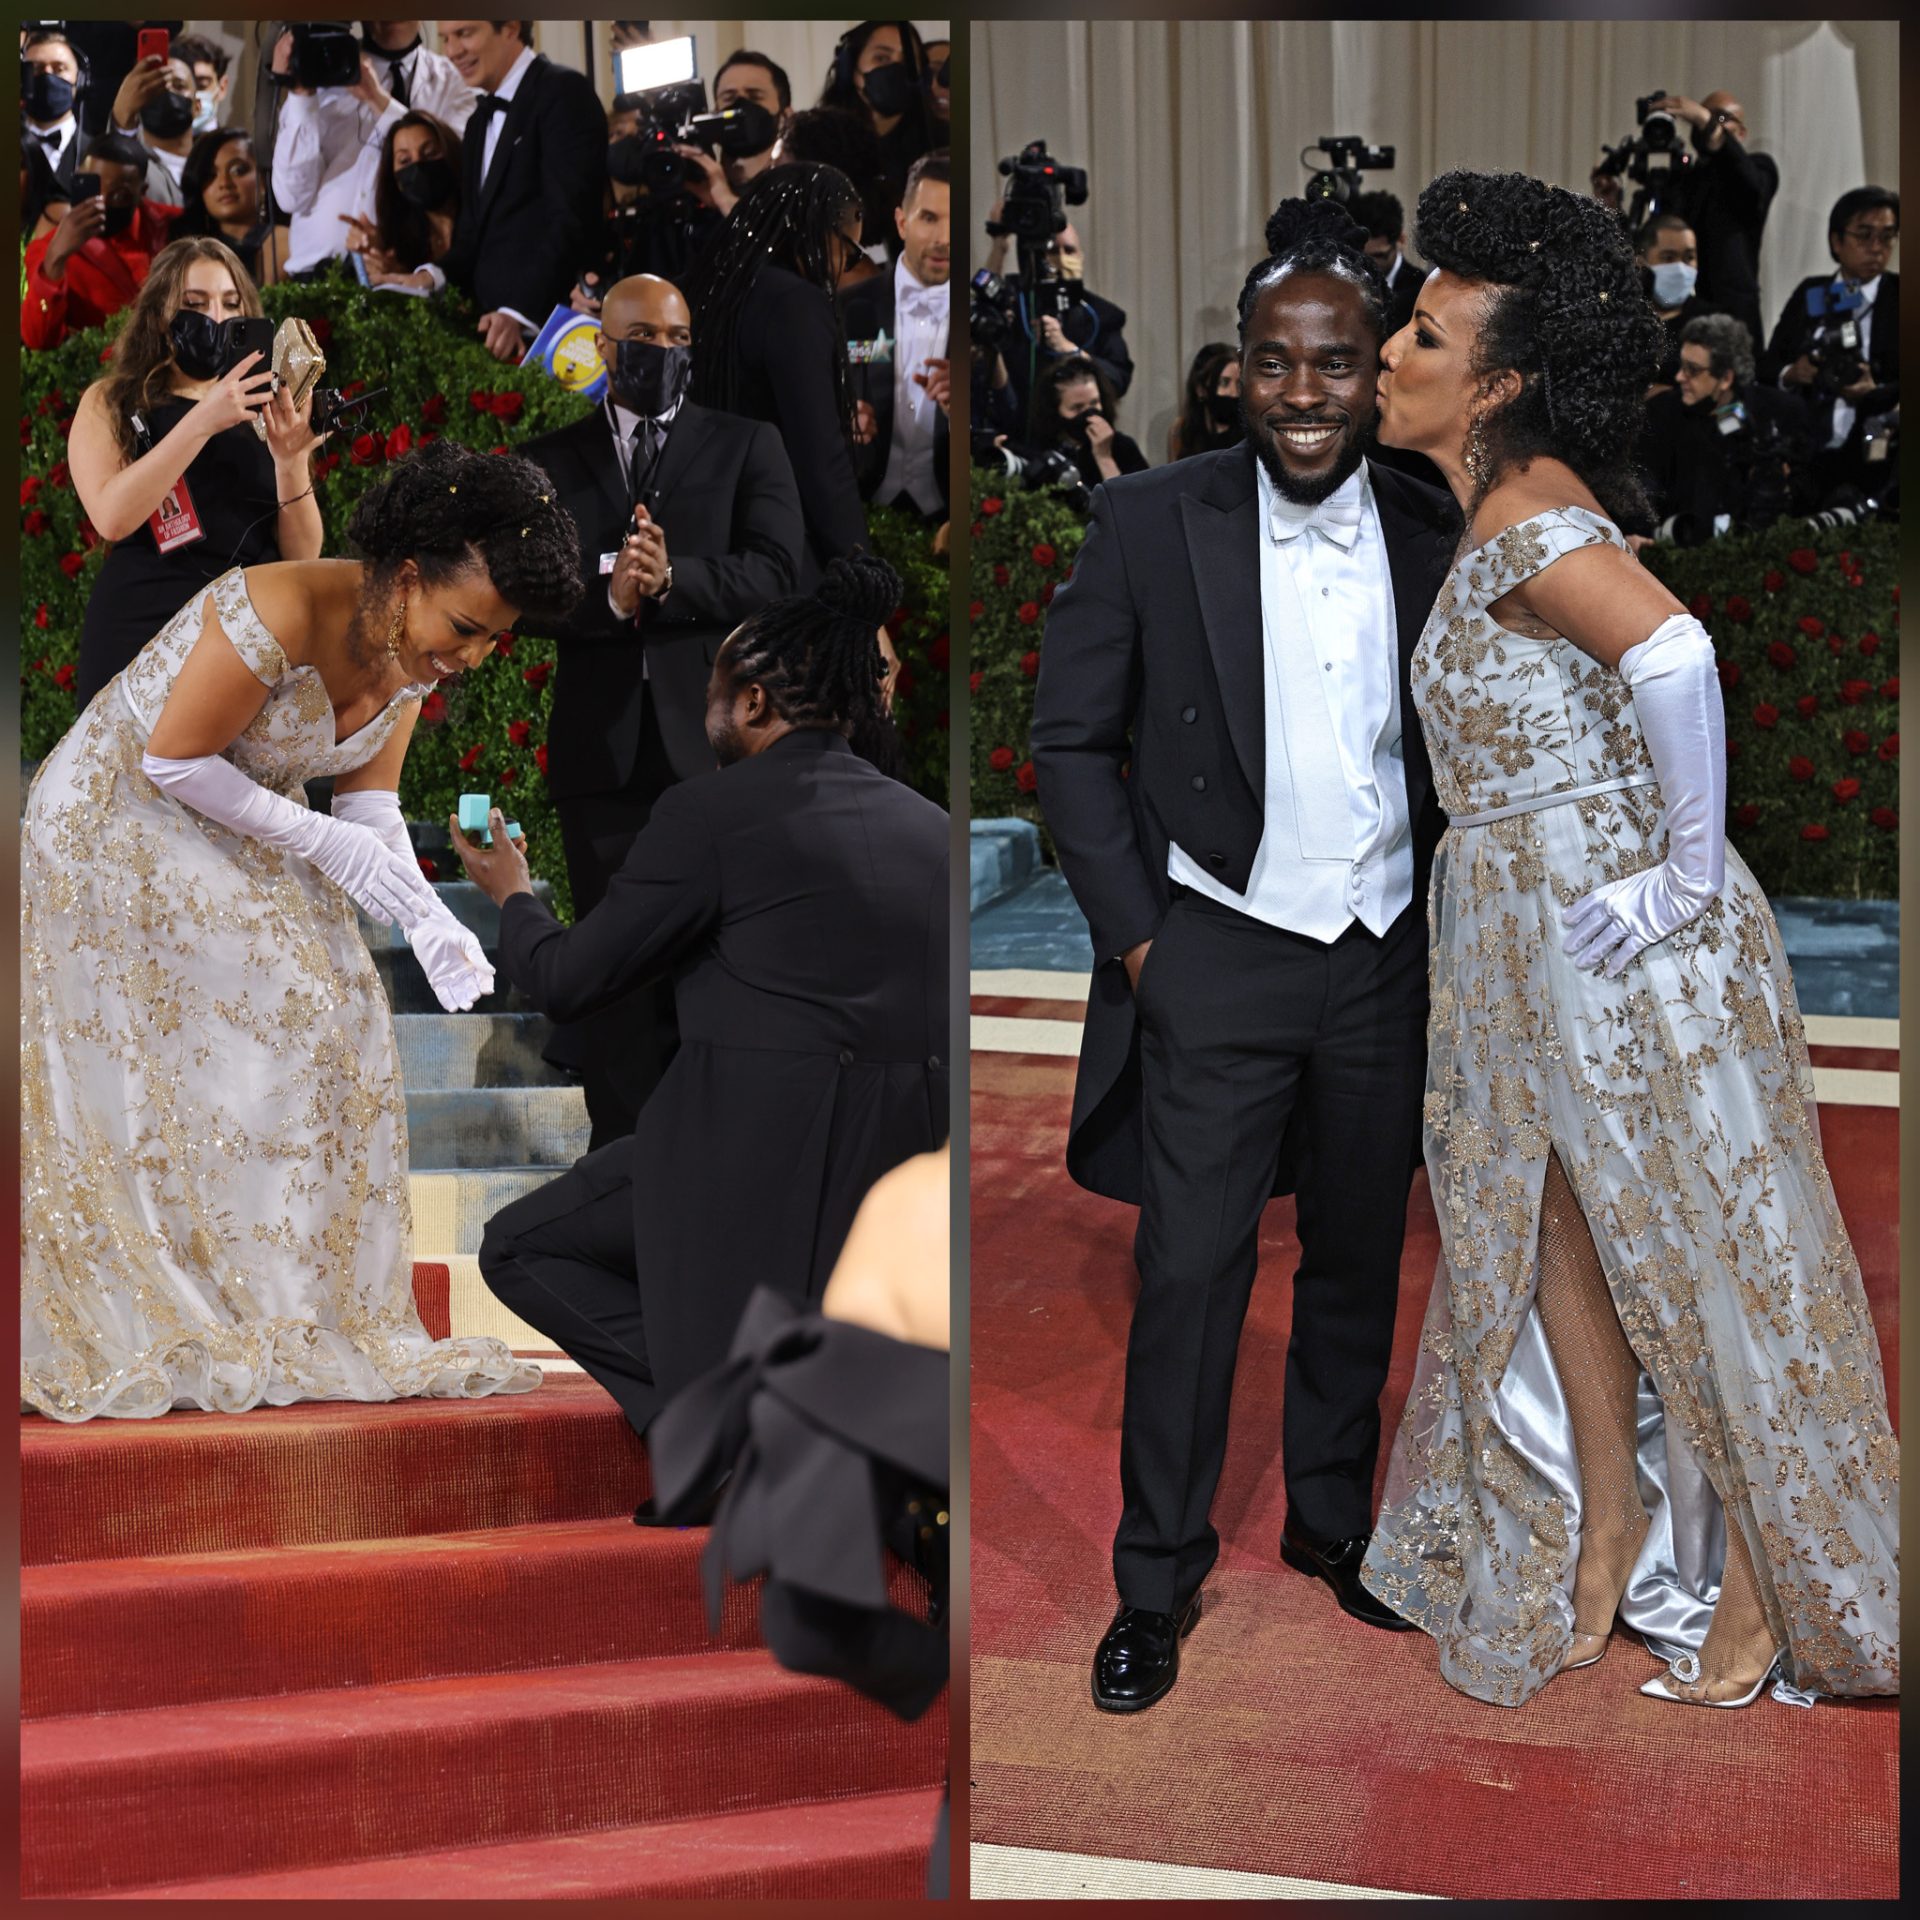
<point x="1739" y="1646"/>
<point x="1600" y="1377"/>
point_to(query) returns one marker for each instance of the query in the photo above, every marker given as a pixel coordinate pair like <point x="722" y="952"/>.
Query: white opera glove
<point x="449" y="953"/>
<point x="355" y="859"/>
<point x="1676" y="699"/>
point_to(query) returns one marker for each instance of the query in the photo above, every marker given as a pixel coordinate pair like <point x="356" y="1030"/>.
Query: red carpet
<point x="1299" y="1742"/>
<point x="420" y="1651"/>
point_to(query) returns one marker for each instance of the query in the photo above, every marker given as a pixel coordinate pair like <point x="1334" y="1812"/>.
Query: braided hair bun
<point x="1316" y="236"/>
<point x="449" y="509"/>
<point x="1566" y="311"/>
<point x="860" y="588"/>
<point x="1295" y="223"/>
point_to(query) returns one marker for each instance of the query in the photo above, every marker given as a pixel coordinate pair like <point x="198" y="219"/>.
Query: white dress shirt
<point x="504" y="93"/>
<point x="626" y="429"/>
<point x="920" y="316"/>
<point x="54" y="140"/>
<point x="326" y="155"/>
<point x="1338" y="843"/>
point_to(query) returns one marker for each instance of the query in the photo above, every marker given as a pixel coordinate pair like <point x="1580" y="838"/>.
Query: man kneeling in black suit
<point x="692" y="519"/>
<point x="799" y="901"/>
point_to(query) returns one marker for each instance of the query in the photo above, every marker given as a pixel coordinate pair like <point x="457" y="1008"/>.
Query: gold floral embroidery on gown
<point x="213" y="1130"/>
<point x="1679" y="1099"/>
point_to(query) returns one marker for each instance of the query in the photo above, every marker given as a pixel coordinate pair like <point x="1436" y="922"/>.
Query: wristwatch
<point x="656" y="598"/>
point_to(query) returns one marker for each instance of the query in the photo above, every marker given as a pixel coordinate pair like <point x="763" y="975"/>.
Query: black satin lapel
<point x="519" y="111"/>
<point x="1223" y="545"/>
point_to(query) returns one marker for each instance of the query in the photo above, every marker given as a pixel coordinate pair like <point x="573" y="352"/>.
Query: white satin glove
<point x="1676" y="699"/>
<point x="353" y="857"/>
<point x="449" y="952"/>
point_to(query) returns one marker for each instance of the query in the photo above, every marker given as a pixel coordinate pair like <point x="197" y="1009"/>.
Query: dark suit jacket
<point x="1725" y="197"/>
<point x="1795" y="330"/>
<point x="867" y="308"/>
<point x="798" y="900"/>
<point x="786" y="341"/>
<point x="1154" y="662"/>
<point x="522" y="239"/>
<point x="726" y="500"/>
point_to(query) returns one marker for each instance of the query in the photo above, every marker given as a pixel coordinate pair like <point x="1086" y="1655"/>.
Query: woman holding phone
<point x="166" y="461"/>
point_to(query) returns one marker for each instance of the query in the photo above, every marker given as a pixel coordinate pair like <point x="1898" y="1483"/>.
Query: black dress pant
<point x="564" y="1259"/>
<point x="1240" y="1024"/>
<point x="621" y="1051"/>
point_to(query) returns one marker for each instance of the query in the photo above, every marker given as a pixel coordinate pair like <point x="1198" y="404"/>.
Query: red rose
<point x="366" y="450"/>
<point x="471" y="758"/>
<point x="1890" y="747"/>
<point x="1739" y="608"/>
<point x="1729" y="671"/>
<point x="1046" y="593"/>
<point x="1884" y="818"/>
<point x="1843" y="560"/>
<point x="509" y="775"/>
<point x="904" y="684"/>
<point x="1799" y="768"/>
<point x="64" y="425"/>
<point x="1700" y="606"/>
<point x="71" y="564"/>
<point x="58" y="473"/>
<point x="1044" y="555"/>
<point x="1869" y="643"/>
<point x="1774" y="580"/>
<point x="975" y="608"/>
<point x="1890" y="689"/>
<point x="508" y="406"/>
<point x="1813" y="833"/>
<point x="428" y="436"/>
<point x="1030" y="665"/>
<point x="29" y="490"/>
<point x="480" y="402"/>
<point x="36" y="522"/>
<point x="1812" y="626"/>
<point x="26" y="429"/>
<point x="1807" y="706"/>
<point x="433" y="709"/>
<point x="1803" y="559"/>
<point x="898" y="619"/>
<point x="939" y="653"/>
<point x="1001" y="576"/>
<point x="496" y="449"/>
<point x="1845" y="790"/>
<point x="1026" y="778"/>
<point x="434" y="409"/>
<point x="540" y="757"/>
<point x="322" y="328"/>
<point x="63" y="676"/>
<point x="991" y="505"/>
<point x="1765" y="715"/>
<point x="973" y="682"/>
<point x="89" y="535"/>
<point x="1733" y="749"/>
<point x="519" y="732"/>
<point x="1781" y="655"/>
<point x="40" y="614"/>
<point x="1835" y="644"/>
<point x="1854" y="691"/>
<point x="399" y="441"/>
<point x="351" y="388"/>
<point x="1746" y="816"/>
<point x="504" y="646"/>
<point x="536" y="677"/>
<point x="1000" y="759"/>
<point x="1029" y="612"/>
<point x="979" y="527"/>
<point x="1855" y="741"/>
<point x="428" y="869"/>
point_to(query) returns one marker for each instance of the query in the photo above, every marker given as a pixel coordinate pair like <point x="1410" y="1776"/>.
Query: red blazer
<point x="99" y="280"/>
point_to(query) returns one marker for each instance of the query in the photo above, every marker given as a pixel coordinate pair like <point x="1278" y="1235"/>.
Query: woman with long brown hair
<point x="416" y="199"/>
<point x="167" y="464"/>
<point x="221" y="197"/>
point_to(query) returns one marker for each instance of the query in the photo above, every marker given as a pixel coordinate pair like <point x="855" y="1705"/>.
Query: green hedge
<point x="488" y="732"/>
<point x="1806" y="627"/>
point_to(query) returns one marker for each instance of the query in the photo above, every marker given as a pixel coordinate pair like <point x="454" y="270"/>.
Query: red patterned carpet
<point x="1299" y="1742"/>
<point x="420" y="1651"/>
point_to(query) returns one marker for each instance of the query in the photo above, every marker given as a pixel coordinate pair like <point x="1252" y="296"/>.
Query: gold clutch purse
<point x="297" y="361"/>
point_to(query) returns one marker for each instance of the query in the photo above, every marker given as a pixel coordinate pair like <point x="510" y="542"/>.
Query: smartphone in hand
<point x="86" y="186"/>
<point x="155" y="43"/>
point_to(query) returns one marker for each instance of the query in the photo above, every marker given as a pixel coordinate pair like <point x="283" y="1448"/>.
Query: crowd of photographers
<point x="1745" y="423"/>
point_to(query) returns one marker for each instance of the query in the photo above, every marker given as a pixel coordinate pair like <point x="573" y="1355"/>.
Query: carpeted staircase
<point x="420" y="1650"/>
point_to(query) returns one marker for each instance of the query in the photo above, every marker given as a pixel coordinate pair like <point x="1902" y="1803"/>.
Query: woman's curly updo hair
<point x="449" y="509"/>
<point x="1316" y="236"/>
<point x="818" y="654"/>
<point x="1566" y="311"/>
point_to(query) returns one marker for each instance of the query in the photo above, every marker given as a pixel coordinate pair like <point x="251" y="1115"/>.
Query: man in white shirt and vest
<point x="1236" y="784"/>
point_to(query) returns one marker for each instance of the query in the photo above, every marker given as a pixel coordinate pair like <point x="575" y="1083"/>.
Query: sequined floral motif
<point x="213" y="1130"/>
<point x="1679" y="1100"/>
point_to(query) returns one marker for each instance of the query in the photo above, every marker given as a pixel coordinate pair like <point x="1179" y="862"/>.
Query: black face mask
<point x="889" y="89"/>
<point x="648" y="379"/>
<point x="753" y="132"/>
<point x="425" y="184"/>
<point x="167" y="115"/>
<point x="202" y="346"/>
<point x="46" y="95"/>
<point x="1223" y="409"/>
<point x="1076" y="428"/>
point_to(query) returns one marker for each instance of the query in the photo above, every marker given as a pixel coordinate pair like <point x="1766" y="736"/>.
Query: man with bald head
<point x="689" y="521"/>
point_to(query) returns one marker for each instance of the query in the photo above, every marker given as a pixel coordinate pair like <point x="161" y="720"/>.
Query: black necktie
<point x="397" y="83"/>
<point x="646" y="449"/>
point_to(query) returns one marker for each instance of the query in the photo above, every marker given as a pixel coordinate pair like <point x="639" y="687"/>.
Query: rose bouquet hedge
<point x="488" y="731"/>
<point x="1806" y="627"/>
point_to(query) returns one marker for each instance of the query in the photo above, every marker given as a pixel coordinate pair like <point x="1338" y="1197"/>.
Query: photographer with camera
<point x="166" y="460"/>
<point x="90" y="262"/>
<point x="1385" y="221"/>
<point x="330" y="132"/>
<point x="1669" y="254"/>
<point x="1838" y="344"/>
<point x="1056" y="317"/>
<point x="1723" y="453"/>
<point x="658" y="209"/>
<point x="1074" y="412"/>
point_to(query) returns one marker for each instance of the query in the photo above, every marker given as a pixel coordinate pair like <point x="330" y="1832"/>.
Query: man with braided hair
<point x="799" y="901"/>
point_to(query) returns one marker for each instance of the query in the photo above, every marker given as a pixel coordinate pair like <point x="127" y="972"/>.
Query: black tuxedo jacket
<point x="521" y="239"/>
<point x="1154" y="664"/>
<point x="867" y="310"/>
<point x="725" y="497"/>
<point x="1795" y="329"/>
<point x="798" y="901"/>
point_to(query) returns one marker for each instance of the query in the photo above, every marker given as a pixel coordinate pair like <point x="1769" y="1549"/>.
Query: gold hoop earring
<point x="1474" y="458"/>
<point x="394" y="631"/>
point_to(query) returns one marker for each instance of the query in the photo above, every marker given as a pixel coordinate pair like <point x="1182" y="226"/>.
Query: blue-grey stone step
<point x="1001" y="855"/>
<point x="496" y="1127"/>
<point x="407" y="990"/>
<point x="451" y="1206"/>
<point x="454" y="1051"/>
<point x="465" y="902"/>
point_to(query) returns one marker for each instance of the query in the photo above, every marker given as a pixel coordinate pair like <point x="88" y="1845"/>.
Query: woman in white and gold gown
<point x="213" y="1130"/>
<point x="1620" y="1130"/>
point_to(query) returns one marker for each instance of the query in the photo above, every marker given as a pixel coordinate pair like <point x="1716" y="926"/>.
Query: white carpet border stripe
<point x="1031" y="1873"/>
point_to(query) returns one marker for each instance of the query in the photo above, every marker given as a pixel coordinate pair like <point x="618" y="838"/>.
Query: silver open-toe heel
<point x="1686" y="1669"/>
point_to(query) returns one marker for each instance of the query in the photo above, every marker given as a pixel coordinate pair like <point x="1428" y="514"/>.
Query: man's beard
<point x="724" y="738"/>
<point x="1307" y="493"/>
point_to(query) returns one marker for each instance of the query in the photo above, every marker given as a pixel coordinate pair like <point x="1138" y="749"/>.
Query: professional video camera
<point x="991" y="312"/>
<point x="1051" y="471"/>
<point x="326" y="53"/>
<point x="677" y="116"/>
<point x="1653" y="156"/>
<point x="1347" y="154"/>
<point x="1835" y="346"/>
<point x="1039" y="192"/>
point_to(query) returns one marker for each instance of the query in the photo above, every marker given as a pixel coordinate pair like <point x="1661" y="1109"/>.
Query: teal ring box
<point x="474" y="808"/>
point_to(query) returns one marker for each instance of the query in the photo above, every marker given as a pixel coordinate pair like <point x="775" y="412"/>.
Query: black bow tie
<point x="487" y="106"/>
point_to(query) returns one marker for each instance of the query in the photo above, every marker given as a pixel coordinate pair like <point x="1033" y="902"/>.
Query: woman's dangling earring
<point x="394" y="631"/>
<point x="1475" y="456"/>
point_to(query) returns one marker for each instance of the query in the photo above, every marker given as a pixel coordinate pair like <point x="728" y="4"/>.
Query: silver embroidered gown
<point x="213" y="1131"/>
<point x="1679" y="1099"/>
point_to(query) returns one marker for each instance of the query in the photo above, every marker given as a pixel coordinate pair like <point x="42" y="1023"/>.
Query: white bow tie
<point x="929" y="302"/>
<point x="1336" y="519"/>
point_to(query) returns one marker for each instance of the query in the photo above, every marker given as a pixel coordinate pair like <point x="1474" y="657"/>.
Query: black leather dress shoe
<point x="1138" y="1660"/>
<point x="1337" y="1562"/>
<point x="697" y="1510"/>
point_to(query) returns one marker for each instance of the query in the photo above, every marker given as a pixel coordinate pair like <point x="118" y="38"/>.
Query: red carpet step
<point x="870" y="1848"/>
<point x="252" y="1786"/>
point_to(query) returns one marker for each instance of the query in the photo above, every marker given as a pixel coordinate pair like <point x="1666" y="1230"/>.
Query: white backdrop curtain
<point x="1191" y="131"/>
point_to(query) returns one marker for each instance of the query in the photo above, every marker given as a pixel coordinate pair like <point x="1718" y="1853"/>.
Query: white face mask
<point x="1673" y="283"/>
<point x="206" y="112"/>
